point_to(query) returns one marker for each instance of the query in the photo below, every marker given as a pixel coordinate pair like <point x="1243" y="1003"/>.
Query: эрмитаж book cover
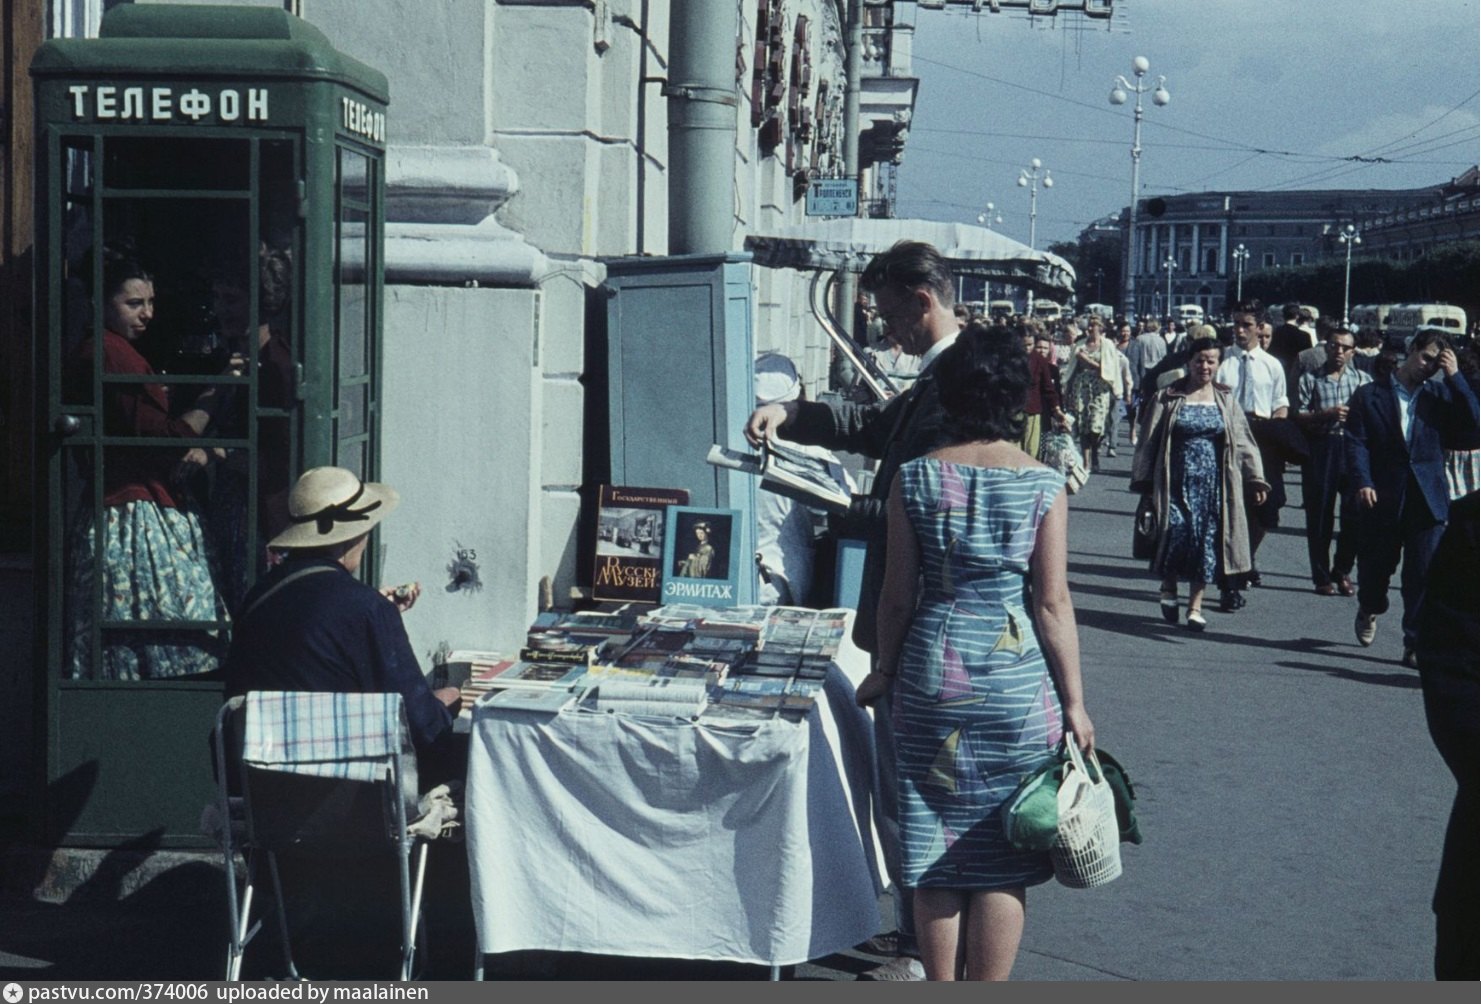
<point x="701" y="556"/>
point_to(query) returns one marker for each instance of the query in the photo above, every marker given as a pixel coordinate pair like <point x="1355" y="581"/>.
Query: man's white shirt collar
<point x="935" y="350"/>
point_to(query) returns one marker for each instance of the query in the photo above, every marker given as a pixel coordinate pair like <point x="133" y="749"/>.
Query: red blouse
<point x="132" y="473"/>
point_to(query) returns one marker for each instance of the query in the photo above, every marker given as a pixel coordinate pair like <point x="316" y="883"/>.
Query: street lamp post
<point x="1170" y="263"/>
<point x="1348" y="235"/>
<point x="1160" y="97"/>
<point x="987" y="218"/>
<point x="1030" y="178"/>
<point x="1240" y="254"/>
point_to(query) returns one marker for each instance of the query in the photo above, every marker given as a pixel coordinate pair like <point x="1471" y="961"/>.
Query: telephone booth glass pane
<point x="353" y="355"/>
<point x="167" y="517"/>
<point x="76" y="239"/>
<point x="177" y="163"/>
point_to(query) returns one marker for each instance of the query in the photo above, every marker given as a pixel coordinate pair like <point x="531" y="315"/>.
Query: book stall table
<point x="668" y="837"/>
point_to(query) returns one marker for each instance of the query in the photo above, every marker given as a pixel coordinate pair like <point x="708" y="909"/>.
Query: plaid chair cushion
<point x="340" y="735"/>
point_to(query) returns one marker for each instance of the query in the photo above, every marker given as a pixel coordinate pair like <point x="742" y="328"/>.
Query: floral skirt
<point x="153" y="565"/>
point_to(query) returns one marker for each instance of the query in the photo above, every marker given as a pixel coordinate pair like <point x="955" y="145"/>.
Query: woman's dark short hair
<point x="983" y="378"/>
<point x="1198" y="345"/>
<point x="120" y="264"/>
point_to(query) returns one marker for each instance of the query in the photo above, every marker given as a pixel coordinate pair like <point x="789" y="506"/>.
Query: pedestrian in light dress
<point x="1090" y="388"/>
<point x="1198" y="459"/>
<point x="982" y="686"/>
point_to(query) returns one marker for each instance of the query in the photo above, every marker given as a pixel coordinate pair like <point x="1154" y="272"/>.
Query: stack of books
<point x="722" y="664"/>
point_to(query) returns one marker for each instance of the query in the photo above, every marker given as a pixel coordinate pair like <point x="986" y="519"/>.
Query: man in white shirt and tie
<point x="1259" y="384"/>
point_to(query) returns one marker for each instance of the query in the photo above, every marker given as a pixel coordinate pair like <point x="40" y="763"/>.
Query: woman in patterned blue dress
<point x="984" y="681"/>
<point x="1195" y="454"/>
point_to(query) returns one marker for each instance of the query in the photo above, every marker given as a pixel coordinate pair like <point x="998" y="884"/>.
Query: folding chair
<point x="328" y="773"/>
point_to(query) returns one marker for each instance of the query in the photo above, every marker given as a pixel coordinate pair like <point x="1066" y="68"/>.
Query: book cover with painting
<point x="701" y="556"/>
<point x="630" y="533"/>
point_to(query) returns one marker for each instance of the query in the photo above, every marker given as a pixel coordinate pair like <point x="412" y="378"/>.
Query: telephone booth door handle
<point x="67" y="425"/>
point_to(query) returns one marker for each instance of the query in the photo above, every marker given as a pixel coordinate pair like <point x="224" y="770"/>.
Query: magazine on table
<point x="787" y="470"/>
<point x="522" y="699"/>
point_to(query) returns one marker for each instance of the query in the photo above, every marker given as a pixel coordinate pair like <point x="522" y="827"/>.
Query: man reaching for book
<point x="784" y="529"/>
<point x="914" y="291"/>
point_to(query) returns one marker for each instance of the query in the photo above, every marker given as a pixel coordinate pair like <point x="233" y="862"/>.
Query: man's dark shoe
<point x="1410" y="659"/>
<point x="1253" y="578"/>
<point x="1345" y="587"/>
<point x="1326" y="589"/>
<point x="1231" y="600"/>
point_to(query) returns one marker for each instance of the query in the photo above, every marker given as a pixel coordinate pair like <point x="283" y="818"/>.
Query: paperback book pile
<point x="475" y="673"/>
<point x="799" y="641"/>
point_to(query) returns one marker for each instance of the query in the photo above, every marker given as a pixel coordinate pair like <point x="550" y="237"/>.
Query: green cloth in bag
<point x="1031" y="814"/>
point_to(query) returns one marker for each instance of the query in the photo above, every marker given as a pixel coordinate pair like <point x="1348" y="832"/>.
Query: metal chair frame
<point x="253" y="850"/>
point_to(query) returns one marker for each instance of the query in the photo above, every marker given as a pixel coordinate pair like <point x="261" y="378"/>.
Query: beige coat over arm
<point x="1239" y="469"/>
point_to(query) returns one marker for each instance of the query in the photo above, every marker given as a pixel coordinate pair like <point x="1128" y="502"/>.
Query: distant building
<point x="1280" y="230"/>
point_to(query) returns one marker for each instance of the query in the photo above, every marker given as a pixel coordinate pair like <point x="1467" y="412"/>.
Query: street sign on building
<point x="833" y="197"/>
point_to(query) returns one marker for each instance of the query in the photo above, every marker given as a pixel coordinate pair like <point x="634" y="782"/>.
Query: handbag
<point x="1030" y="815"/>
<point x="1144" y="530"/>
<point x="1087" y="851"/>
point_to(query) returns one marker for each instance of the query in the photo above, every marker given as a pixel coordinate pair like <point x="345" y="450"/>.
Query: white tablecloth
<point x="614" y="835"/>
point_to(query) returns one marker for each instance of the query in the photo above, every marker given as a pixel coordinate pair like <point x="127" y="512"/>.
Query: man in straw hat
<point x="310" y="624"/>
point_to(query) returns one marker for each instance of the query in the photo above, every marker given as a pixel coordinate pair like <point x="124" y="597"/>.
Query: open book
<point x="787" y="470"/>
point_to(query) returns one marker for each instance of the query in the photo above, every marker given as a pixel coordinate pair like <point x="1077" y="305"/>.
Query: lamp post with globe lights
<point x="1348" y="235"/>
<point x="1030" y="178"/>
<point x="1160" y="97"/>
<point x="1170" y="263"/>
<point x="988" y="217"/>
<point x="1240" y="254"/>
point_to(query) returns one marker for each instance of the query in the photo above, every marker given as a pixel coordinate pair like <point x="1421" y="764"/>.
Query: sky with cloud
<point x="1266" y="94"/>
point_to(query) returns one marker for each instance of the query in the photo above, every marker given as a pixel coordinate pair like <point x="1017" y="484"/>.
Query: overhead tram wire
<point x="1228" y="144"/>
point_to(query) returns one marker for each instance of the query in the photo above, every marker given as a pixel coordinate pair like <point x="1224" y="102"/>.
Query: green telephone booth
<point x="209" y="233"/>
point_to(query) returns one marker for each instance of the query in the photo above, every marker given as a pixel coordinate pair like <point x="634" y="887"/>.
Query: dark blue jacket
<point x="1379" y="458"/>
<point x="328" y="631"/>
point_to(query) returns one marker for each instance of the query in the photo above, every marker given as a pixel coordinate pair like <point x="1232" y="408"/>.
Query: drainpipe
<point x="701" y="112"/>
<point x="847" y="282"/>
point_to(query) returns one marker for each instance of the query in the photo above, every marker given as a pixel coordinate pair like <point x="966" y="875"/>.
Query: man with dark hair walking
<point x="1396" y="430"/>
<point x="1321" y="409"/>
<point x="1259" y="385"/>
<point x="913" y="291"/>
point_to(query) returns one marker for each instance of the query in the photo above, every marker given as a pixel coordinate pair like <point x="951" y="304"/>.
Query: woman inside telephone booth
<point x="150" y="550"/>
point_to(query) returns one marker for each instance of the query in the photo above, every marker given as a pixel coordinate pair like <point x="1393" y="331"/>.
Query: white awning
<point x="850" y="242"/>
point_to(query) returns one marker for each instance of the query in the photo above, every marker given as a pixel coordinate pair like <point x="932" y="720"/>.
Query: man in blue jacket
<point x="1397" y="427"/>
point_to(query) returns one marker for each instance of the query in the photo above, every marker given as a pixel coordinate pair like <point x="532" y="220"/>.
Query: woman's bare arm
<point x="897" y="597"/>
<point x="1054" y="614"/>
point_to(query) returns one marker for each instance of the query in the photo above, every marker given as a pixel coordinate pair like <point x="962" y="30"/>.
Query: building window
<point x="1297" y="259"/>
<point x="1210" y="259"/>
<point x="1242" y="231"/>
<point x="1267" y="260"/>
<point x="1270" y="230"/>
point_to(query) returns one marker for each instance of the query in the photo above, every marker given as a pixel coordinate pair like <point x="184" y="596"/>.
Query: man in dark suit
<point x="1396" y="465"/>
<point x="914" y="291"/>
<point x="1287" y="343"/>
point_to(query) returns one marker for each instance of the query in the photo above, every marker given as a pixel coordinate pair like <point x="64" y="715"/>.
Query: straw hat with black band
<point x="330" y="505"/>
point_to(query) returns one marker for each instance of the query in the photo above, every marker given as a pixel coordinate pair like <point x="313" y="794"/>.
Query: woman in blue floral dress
<point x="1197" y="457"/>
<point x="983" y="682"/>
